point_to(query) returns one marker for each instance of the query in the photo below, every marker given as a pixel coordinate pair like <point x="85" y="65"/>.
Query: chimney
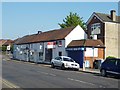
<point x="113" y="15"/>
<point x="39" y="32"/>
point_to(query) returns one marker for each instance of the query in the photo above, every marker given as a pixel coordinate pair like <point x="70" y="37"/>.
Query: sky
<point x="23" y="18"/>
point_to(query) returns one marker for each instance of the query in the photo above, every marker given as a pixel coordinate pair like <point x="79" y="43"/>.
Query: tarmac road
<point x="30" y="75"/>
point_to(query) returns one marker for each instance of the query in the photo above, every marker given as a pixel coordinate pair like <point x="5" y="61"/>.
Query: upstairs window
<point x="59" y="43"/>
<point x="95" y="28"/>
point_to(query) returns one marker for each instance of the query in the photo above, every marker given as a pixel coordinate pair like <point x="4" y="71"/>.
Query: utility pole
<point x="93" y="54"/>
<point x="84" y="55"/>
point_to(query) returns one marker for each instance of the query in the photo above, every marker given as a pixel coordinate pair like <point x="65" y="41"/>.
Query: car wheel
<point x="62" y="67"/>
<point x="103" y="72"/>
<point x="52" y="65"/>
<point x="76" y="69"/>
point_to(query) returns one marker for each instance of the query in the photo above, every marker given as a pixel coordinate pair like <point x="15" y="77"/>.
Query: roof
<point x="45" y="36"/>
<point x="87" y="43"/>
<point x="107" y="18"/>
<point x="8" y="42"/>
<point x="2" y="41"/>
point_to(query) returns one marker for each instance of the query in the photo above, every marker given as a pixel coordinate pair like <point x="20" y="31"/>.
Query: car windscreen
<point x="68" y="59"/>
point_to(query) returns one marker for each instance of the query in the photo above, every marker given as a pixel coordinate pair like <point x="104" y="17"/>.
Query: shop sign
<point x="75" y="49"/>
<point x="50" y="45"/>
<point x="8" y="47"/>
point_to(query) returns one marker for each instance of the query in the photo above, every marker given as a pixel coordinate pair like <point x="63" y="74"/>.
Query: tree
<point x="73" y="19"/>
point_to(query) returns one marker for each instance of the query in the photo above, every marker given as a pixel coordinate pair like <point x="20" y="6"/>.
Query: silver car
<point x="64" y="62"/>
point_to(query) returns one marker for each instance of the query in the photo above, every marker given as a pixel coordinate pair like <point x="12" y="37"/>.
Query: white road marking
<point x="52" y="74"/>
<point x="44" y="73"/>
<point x="80" y="81"/>
<point x="9" y="84"/>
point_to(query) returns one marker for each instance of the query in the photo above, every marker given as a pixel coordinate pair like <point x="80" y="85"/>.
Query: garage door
<point x="77" y="56"/>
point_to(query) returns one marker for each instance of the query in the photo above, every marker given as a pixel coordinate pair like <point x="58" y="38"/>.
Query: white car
<point x="64" y="62"/>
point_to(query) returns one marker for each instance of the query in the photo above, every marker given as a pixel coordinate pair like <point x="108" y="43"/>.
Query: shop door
<point x="77" y="56"/>
<point x="48" y="55"/>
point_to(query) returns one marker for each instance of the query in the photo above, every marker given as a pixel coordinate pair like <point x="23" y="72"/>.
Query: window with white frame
<point x="59" y="43"/>
<point x="95" y="28"/>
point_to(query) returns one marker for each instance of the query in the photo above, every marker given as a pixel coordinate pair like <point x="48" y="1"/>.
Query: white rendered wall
<point x="76" y="34"/>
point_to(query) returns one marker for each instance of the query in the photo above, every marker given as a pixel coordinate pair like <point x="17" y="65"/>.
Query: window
<point x="31" y="45"/>
<point x="59" y="43"/>
<point x="68" y="59"/>
<point x="60" y="53"/>
<point x="111" y="61"/>
<point x="95" y="28"/>
<point x="40" y="55"/>
<point x="118" y="62"/>
<point x="58" y="58"/>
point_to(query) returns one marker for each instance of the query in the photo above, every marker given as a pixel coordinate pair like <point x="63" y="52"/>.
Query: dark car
<point x="111" y="67"/>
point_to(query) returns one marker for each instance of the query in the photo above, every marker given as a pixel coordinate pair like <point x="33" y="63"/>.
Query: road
<point x="29" y="75"/>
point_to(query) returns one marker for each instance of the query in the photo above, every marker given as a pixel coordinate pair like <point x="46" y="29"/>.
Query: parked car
<point x="111" y="67"/>
<point x="64" y="62"/>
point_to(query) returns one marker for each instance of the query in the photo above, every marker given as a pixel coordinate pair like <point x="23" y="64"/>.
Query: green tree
<point x="73" y="19"/>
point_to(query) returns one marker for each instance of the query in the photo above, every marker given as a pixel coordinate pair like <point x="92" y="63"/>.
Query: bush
<point x="4" y="48"/>
<point x="110" y="57"/>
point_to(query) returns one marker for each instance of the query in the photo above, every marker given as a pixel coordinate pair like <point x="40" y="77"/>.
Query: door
<point x="48" y="55"/>
<point x="111" y="66"/>
<point x="77" y="55"/>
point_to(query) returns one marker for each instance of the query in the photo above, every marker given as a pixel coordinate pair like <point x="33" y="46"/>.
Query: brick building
<point x="106" y="27"/>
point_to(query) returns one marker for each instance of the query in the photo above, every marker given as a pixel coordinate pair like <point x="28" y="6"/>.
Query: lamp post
<point x="93" y="54"/>
<point x="84" y="55"/>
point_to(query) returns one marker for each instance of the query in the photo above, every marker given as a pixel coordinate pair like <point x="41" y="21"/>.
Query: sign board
<point x="76" y="49"/>
<point x="40" y="47"/>
<point x="8" y="47"/>
<point x="50" y="45"/>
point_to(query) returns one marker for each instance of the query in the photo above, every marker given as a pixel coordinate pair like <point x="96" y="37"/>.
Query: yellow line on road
<point x="9" y="84"/>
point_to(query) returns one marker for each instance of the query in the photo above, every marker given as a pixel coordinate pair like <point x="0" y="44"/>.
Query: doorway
<point x="48" y="54"/>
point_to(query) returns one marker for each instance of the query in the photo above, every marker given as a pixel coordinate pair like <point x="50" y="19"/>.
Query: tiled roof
<point x="2" y="41"/>
<point x="8" y="42"/>
<point x="45" y="36"/>
<point x="87" y="43"/>
<point x="107" y="18"/>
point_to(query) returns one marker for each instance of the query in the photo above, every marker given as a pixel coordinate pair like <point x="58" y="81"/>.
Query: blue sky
<point x="22" y="18"/>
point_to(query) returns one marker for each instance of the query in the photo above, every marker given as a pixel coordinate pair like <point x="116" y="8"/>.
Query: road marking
<point x="50" y="74"/>
<point x="44" y="73"/>
<point x="9" y="84"/>
<point x="80" y="81"/>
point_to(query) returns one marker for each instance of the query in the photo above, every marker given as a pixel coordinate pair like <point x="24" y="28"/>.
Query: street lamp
<point x="84" y="55"/>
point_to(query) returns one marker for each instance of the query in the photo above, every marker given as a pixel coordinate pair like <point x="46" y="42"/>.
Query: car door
<point x="111" y="66"/>
<point x="56" y="61"/>
<point x="59" y="59"/>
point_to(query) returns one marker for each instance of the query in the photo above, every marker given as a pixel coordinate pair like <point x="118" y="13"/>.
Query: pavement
<point x="88" y="70"/>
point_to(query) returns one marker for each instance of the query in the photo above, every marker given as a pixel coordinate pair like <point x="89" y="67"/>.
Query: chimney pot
<point x="39" y="32"/>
